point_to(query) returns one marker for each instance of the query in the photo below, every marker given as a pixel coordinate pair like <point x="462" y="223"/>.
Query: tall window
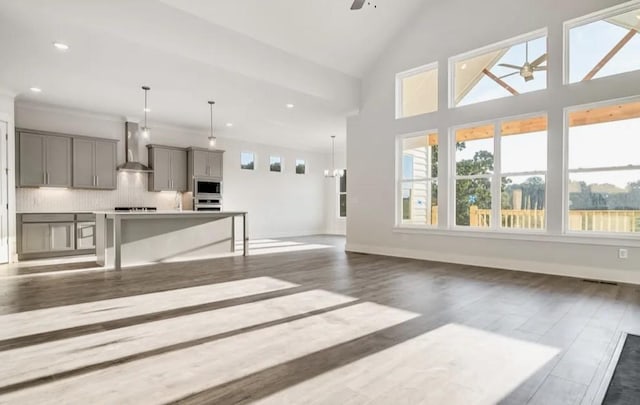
<point x="419" y="180"/>
<point x="604" y="45"/>
<point x="604" y="168"/>
<point x="342" y="195"/>
<point x="502" y="70"/>
<point x="417" y="91"/>
<point x="500" y="174"/>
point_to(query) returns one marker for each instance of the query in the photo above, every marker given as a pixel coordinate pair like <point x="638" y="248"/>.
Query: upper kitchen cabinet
<point x="204" y="163"/>
<point x="43" y="160"/>
<point x="94" y="164"/>
<point x="169" y="166"/>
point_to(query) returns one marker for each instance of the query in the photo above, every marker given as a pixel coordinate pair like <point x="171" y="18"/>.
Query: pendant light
<point x="146" y="131"/>
<point x="212" y="139"/>
<point x="333" y="172"/>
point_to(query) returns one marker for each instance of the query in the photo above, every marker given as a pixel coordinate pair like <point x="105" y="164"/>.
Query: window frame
<point x="495" y="178"/>
<point x="295" y="167"/>
<point x="542" y="32"/>
<point x="566" y="175"/>
<point x="255" y="160"/>
<point x="280" y="160"/>
<point x="585" y="20"/>
<point x="341" y="193"/>
<point x="399" y="91"/>
<point x="400" y="180"/>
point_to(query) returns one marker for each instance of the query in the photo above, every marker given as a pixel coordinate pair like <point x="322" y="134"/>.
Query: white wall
<point x="279" y="204"/>
<point x="442" y="30"/>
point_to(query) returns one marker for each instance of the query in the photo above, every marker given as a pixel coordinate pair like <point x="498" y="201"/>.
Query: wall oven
<point x="207" y="189"/>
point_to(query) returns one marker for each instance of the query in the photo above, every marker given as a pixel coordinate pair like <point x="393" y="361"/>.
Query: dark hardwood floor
<point x="582" y="320"/>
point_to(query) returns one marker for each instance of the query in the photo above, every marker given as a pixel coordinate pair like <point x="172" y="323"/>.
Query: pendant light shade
<point x="146" y="131"/>
<point x="212" y="138"/>
<point x="333" y="172"/>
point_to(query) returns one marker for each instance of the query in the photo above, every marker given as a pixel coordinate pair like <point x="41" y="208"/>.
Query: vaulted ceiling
<point x="252" y="56"/>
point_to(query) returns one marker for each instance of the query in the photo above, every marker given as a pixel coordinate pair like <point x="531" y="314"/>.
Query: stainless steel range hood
<point x="134" y="148"/>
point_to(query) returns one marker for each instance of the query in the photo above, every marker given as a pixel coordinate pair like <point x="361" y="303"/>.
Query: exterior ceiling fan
<point x="526" y="70"/>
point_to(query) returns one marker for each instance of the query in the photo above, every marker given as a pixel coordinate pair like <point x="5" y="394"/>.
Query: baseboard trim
<point x="581" y="272"/>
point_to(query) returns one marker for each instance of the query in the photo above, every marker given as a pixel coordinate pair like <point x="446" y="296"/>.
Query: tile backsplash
<point x="131" y="192"/>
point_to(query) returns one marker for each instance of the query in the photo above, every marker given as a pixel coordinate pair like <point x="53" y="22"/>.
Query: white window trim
<point x="584" y="20"/>
<point x="399" y="94"/>
<point x="495" y="178"/>
<point x="543" y="32"/>
<point x="281" y="164"/>
<point x="566" y="173"/>
<point x="400" y="181"/>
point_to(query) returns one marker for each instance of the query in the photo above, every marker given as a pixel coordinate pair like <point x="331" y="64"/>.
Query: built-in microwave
<point x="205" y="188"/>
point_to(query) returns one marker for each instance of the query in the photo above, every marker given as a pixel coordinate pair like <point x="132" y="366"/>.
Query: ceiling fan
<point x="357" y="4"/>
<point x="526" y="70"/>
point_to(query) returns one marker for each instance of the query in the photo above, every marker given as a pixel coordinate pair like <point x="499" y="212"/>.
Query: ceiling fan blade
<point x="510" y="74"/>
<point x="540" y="60"/>
<point x="539" y="68"/>
<point x="357" y="4"/>
<point x="507" y="65"/>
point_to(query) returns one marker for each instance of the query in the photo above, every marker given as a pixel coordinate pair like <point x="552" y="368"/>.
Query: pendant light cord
<point x="145" y="108"/>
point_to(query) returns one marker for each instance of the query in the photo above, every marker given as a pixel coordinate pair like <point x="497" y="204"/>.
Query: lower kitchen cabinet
<point x="52" y="235"/>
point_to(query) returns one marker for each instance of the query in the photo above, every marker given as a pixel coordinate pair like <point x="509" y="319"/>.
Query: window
<point x="507" y="69"/>
<point x="603" y="45"/>
<point x="275" y="164"/>
<point x="500" y="172"/>
<point x="301" y="166"/>
<point x="604" y="168"/>
<point x="342" y="195"/>
<point x="417" y="91"/>
<point x="419" y="180"/>
<point x="247" y="161"/>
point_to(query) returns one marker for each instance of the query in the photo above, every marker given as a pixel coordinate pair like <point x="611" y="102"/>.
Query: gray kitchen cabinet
<point x="44" y="160"/>
<point x="204" y="163"/>
<point x="55" y="234"/>
<point x="94" y="164"/>
<point x="169" y="166"/>
<point x="47" y="237"/>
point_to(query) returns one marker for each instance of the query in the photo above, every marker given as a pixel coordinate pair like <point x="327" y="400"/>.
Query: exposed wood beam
<point x="609" y="113"/>
<point x="610" y="55"/>
<point x="500" y="82"/>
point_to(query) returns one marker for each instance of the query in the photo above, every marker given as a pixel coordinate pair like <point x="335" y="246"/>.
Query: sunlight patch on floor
<point x="171" y="376"/>
<point x="453" y="364"/>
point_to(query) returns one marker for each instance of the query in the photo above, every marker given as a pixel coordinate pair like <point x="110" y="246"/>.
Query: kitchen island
<point x="137" y="238"/>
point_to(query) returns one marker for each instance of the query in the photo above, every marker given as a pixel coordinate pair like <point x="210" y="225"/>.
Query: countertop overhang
<point x="170" y="214"/>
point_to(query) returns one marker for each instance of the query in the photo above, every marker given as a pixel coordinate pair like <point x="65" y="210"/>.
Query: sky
<point x="602" y="145"/>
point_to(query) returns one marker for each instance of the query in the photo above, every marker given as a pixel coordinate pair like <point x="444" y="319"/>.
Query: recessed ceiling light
<point x="638" y="16"/>
<point x="229" y="124"/>
<point x="464" y="66"/>
<point x="290" y="105"/>
<point x="36" y="89"/>
<point x="61" y="46"/>
<point x="146" y="110"/>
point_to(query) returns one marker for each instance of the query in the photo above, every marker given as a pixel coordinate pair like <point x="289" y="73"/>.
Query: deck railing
<point x="579" y="220"/>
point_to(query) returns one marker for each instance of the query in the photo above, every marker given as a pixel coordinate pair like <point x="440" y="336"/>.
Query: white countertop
<point x="169" y="213"/>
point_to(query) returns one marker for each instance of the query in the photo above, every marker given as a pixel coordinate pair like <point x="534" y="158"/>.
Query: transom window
<point x="417" y="91"/>
<point x="603" y="45"/>
<point x="604" y="168"/>
<point x="507" y="69"/>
